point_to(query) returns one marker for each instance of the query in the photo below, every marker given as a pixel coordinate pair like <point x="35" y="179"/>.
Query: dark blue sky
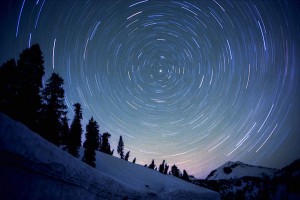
<point x="196" y="83"/>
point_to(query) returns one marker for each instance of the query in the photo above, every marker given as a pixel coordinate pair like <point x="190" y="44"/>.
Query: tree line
<point x="163" y="167"/>
<point x="41" y="108"/>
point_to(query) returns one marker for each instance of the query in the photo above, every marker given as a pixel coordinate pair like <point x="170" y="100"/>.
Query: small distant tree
<point x="127" y="155"/>
<point x="162" y="167"/>
<point x="120" y="149"/>
<point x="152" y="165"/>
<point x="185" y="176"/>
<point x="134" y="160"/>
<point x="74" y="138"/>
<point x="166" y="169"/>
<point x="105" y="147"/>
<point x="175" y="171"/>
<point x="91" y="143"/>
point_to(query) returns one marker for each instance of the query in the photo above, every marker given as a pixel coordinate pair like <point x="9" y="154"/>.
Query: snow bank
<point x="32" y="168"/>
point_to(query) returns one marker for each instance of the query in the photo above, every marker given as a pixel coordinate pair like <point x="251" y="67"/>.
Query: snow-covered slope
<point x="232" y="170"/>
<point x="32" y="168"/>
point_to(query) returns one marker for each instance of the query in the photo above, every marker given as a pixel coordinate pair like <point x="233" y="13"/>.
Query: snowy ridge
<point x="233" y="170"/>
<point x="32" y="168"/>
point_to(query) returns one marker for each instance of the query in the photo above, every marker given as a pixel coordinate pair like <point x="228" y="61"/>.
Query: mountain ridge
<point x="238" y="169"/>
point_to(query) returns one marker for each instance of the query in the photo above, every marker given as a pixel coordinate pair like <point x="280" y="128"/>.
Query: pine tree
<point x="166" y="169"/>
<point x="185" y="176"/>
<point x="152" y="165"/>
<point x="175" y="171"/>
<point x="91" y="143"/>
<point x="64" y="131"/>
<point x="120" y="149"/>
<point x="54" y="109"/>
<point x="127" y="156"/>
<point x="105" y="147"/>
<point x="20" y="86"/>
<point x="134" y="160"/>
<point x="8" y="88"/>
<point x="162" y="167"/>
<point x="74" y="138"/>
<point x="29" y="85"/>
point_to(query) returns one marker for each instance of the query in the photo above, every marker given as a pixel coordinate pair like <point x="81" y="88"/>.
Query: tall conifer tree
<point x="21" y="85"/>
<point x="162" y="167"/>
<point x="8" y="88"/>
<point x="105" y="147"/>
<point x="91" y="143"/>
<point x="54" y="109"/>
<point x="64" y="131"/>
<point x="74" y="137"/>
<point x="120" y="149"/>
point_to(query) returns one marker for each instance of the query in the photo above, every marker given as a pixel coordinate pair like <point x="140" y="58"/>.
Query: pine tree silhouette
<point x="120" y="149"/>
<point x="8" y="88"/>
<point x="21" y="86"/>
<point x="91" y="143"/>
<point x="65" y="130"/>
<point x="175" y="171"/>
<point x="185" y="176"/>
<point x="162" y="167"/>
<point x="127" y="156"/>
<point x="53" y="110"/>
<point x="152" y="165"/>
<point x="105" y="147"/>
<point x="31" y="66"/>
<point x="166" y="169"/>
<point x="74" y="137"/>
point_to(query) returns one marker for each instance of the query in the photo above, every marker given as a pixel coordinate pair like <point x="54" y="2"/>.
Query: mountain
<point x="32" y="168"/>
<point x="234" y="170"/>
<point x="292" y="170"/>
<point x="237" y="180"/>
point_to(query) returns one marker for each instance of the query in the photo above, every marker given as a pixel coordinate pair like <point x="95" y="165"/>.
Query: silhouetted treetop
<point x="53" y="109"/>
<point x="74" y="138"/>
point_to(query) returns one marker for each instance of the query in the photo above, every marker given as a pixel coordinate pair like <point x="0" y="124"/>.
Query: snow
<point x="32" y="168"/>
<point x="232" y="170"/>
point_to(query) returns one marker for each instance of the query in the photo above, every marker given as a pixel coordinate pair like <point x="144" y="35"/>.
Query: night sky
<point x="196" y="83"/>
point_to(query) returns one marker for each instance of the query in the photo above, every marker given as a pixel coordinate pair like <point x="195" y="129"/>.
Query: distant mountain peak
<point x="231" y="170"/>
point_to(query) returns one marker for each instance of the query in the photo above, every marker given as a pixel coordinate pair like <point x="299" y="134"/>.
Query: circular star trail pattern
<point x="196" y="83"/>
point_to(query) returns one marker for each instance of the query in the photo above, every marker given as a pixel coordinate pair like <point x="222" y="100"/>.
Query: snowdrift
<point x="32" y="168"/>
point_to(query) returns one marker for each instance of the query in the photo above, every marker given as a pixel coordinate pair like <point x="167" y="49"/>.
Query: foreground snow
<point x="233" y="170"/>
<point x="32" y="168"/>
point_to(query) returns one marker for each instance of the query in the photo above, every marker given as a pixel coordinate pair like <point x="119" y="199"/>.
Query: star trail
<point x="196" y="83"/>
